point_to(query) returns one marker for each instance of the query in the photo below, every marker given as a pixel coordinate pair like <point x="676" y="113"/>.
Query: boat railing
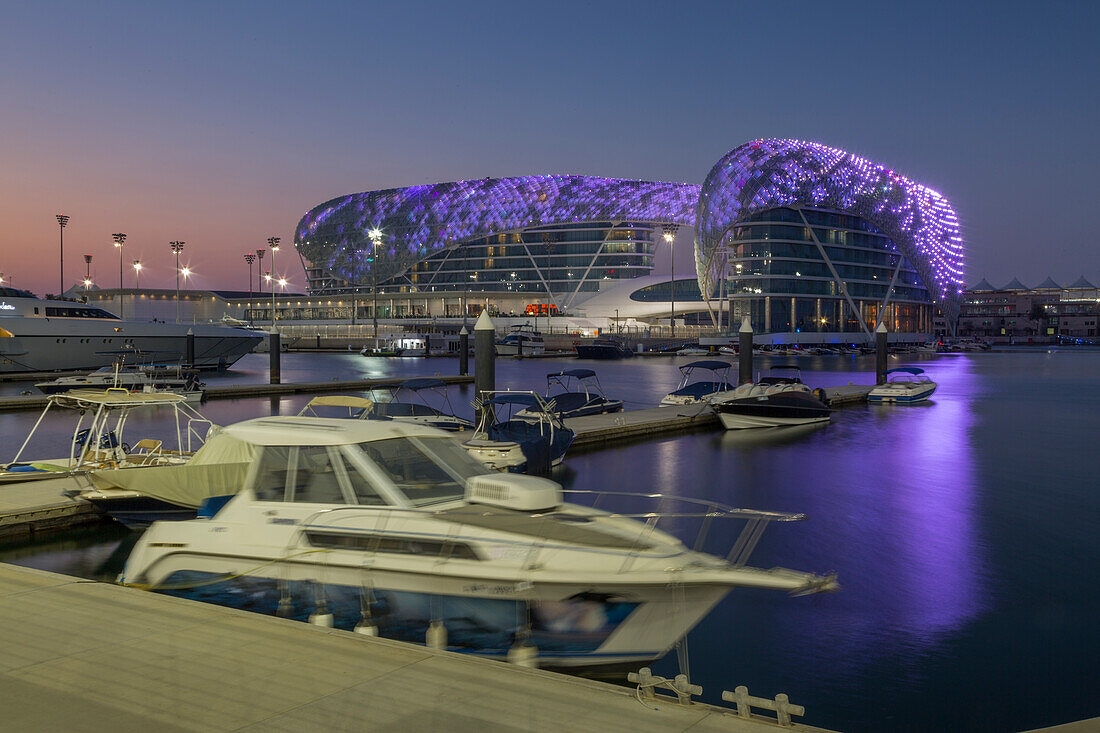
<point x="704" y="510"/>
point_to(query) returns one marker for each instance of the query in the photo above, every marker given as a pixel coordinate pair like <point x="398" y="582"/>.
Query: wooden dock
<point x="88" y="656"/>
<point x="30" y="508"/>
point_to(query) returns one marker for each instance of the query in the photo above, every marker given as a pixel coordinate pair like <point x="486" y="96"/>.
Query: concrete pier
<point x="81" y="655"/>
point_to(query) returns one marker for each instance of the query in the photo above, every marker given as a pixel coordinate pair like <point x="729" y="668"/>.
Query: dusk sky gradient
<point x="221" y="124"/>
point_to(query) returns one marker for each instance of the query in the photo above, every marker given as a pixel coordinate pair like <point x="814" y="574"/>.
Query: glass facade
<point x="776" y="274"/>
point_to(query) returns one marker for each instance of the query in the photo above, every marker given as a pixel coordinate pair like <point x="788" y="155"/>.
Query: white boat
<point x="98" y="439"/>
<point x="769" y="404"/>
<point x="394" y="530"/>
<point x="134" y="378"/>
<point x="391" y="407"/>
<point x="522" y="341"/>
<point x="505" y="441"/>
<point x="691" y="391"/>
<point x="908" y="384"/>
<point x="60" y="335"/>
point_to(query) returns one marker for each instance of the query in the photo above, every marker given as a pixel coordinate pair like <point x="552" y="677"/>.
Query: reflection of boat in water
<point x="581" y="394"/>
<point x="394" y="530"/>
<point x="691" y="392"/>
<point x="908" y="385"/>
<point x="506" y="442"/>
<point x="772" y="402"/>
<point x="780" y="435"/>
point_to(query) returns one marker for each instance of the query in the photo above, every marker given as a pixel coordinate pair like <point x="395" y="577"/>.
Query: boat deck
<point x="154" y="662"/>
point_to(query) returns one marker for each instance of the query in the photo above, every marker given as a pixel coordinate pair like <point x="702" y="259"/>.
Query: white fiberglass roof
<point x="288" y="430"/>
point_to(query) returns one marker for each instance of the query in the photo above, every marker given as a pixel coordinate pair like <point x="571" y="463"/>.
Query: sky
<point x="220" y="124"/>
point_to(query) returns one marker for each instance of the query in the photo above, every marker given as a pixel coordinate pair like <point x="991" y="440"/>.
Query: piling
<point x="463" y="352"/>
<point x="744" y="352"/>
<point x="880" y="354"/>
<point x="190" y="349"/>
<point x="485" y="356"/>
<point x="276" y="355"/>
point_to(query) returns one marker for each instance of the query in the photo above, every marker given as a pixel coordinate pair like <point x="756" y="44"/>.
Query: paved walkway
<point x="86" y="656"/>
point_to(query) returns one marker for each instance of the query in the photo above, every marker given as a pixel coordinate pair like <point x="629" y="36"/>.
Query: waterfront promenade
<point x="88" y="656"/>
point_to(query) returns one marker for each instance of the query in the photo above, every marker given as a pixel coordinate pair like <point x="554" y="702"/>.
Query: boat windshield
<point x="314" y="474"/>
<point x="426" y="470"/>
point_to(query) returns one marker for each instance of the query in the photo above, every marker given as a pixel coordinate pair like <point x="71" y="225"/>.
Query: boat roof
<point x="513" y="398"/>
<point x="422" y="383"/>
<point x="578" y="373"/>
<point x="115" y="397"/>
<point x="907" y="370"/>
<point x="294" y="430"/>
<point x="341" y="400"/>
<point x="712" y="365"/>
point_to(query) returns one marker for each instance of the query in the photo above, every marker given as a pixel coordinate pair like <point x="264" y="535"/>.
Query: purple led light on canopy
<point x="770" y="173"/>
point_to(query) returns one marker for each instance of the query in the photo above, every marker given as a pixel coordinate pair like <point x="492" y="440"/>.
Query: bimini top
<point x="577" y="373"/>
<point x="713" y="366"/>
<point x="769" y="173"/>
<point x="288" y="430"/>
<point x="415" y="222"/>
<point x="907" y="370"/>
<point x="420" y="383"/>
<point x="514" y="398"/>
<point x="114" y="398"/>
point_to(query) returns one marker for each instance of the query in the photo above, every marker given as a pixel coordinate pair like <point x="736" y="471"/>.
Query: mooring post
<point x="190" y="349"/>
<point x="880" y="354"/>
<point x="744" y="352"/>
<point x="485" y="356"/>
<point x="463" y="352"/>
<point x="276" y="353"/>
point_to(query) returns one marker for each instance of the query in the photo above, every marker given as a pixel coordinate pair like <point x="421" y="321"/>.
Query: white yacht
<point x="39" y="335"/>
<point x="907" y="384"/>
<point x="522" y="341"/>
<point x="394" y="530"/>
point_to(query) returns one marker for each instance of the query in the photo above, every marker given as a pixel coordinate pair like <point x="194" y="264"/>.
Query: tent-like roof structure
<point x="1015" y="285"/>
<point x="1082" y="283"/>
<point x="983" y="285"/>
<point x="1048" y="284"/>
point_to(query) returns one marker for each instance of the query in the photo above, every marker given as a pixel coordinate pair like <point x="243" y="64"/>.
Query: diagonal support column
<point x="836" y="277"/>
<point x="889" y="291"/>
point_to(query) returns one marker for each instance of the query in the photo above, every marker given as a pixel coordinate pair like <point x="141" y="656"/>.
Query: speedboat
<point x="133" y="378"/>
<point x="98" y="439"/>
<point x="692" y="351"/>
<point x="603" y="348"/>
<point x="506" y="442"/>
<point x="772" y="402"/>
<point x="909" y="384"/>
<point x="392" y="530"/>
<point x="581" y="394"/>
<point x="522" y="341"/>
<point x="39" y="335"/>
<point x="692" y="389"/>
<point x="416" y="410"/>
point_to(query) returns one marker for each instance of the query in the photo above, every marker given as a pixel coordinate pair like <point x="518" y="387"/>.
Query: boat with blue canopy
<point x="905" y="384"/>
<point x="506" y="442"/>
<point x="699" y="380"/>
<point x="580" y="393"/>
<point x="406" y="401"/>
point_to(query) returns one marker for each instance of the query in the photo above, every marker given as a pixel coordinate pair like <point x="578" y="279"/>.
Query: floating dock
<point x="155" y="662"/>
<point x="598" y="431"/>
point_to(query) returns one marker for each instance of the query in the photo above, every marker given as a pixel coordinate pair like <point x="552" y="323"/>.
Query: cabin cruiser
<point x="774" y="401"/>
<point x="506" y="442"/>
<point x="60" y="335"/>
<point x="692" y="350"/>
<point x="98" y="439"/>
<point x="580" y="394"/>
<point x="603" y="348"/>
<point x="692" y="389"/>
<point x="416" y="410"/>
<point x="134" y="378"/>
<point x="522" y="341"/>
<point x="391" y="529"/>
<point x="908" y="384"/>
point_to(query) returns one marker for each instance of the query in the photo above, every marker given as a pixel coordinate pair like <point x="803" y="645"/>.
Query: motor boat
<point x="603" y="348"/>
<point x="98" y="439"/>
<point x="579" y="394"/>
<point x="416" y="409"/>
<point x="522" y="341"/>
<point x="38" y="335"/>
<point x="693" y="389"/>
<point x="728" y="350"/>
<point x="391" y="529"/>
<point x="216" y="471"/>
<point x="506" y="442"/>
<point x="908" y="384"/>
<point x="692" y="351"/>
<point x="771" y="402"/>
<point x="184" y="382"/>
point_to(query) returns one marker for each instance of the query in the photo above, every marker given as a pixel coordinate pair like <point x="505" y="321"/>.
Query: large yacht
<point x="39" y="335"/>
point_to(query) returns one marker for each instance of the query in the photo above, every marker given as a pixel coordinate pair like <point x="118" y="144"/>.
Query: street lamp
<point x="62" y="220"/>
<point x="260" y="252"/>
<point x="375" y="235"/>
<point x="249" y="257"/>
<point x="177" y="250"/>
<point x="87" y="271"/>
<point x="120" y="239"/>
<point x="274" y="242"/>
<point x="137" y="274"/>
<point x="670" y="235"/>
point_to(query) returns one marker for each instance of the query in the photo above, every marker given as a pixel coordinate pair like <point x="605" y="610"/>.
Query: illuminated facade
<point x="796" y="235"/>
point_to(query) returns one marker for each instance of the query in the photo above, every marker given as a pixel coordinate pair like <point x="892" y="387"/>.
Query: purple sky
<point x="220" y="124"/>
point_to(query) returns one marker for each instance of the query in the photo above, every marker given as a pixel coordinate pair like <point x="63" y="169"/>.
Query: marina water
<point x="962" y="530"/>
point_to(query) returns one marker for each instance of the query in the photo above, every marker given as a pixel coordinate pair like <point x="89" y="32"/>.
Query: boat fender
<point x="366" y="628"/>
<point x="820" y="395"/>
<point x="321" y="619"/>
<point x="436" y="638"/>
<point x="523" y="655"/>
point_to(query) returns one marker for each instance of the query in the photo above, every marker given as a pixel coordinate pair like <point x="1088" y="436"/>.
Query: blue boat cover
<point x="907" y="370"/>
<point x="518" y="398"/>
<point x="714" y="366"/>
<point x="702" y="389"/>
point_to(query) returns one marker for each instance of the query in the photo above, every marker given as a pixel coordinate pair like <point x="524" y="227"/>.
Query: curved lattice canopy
<point x="765" y="174"/>
<point x="417" y="221"/>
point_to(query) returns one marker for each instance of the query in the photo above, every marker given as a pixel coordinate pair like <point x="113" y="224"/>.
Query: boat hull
<point x="900" y="397"/>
